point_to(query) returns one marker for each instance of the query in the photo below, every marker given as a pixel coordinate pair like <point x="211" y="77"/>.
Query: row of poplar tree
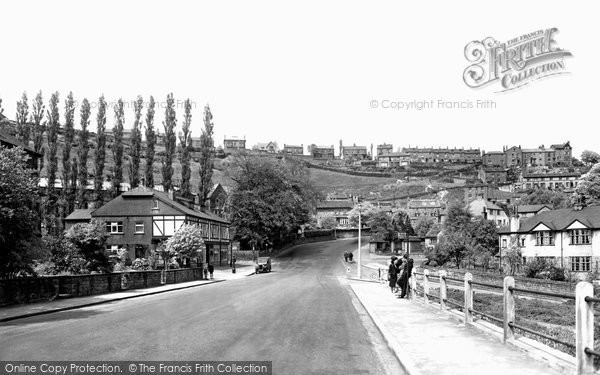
<point x="32" y="125"/>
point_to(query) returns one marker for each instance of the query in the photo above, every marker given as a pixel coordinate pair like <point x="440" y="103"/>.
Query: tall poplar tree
<point x="207" y="151"/>
<point x="118" y="147"/>
<point x="23" y="129"/>
<point x="185" y="139"/>
<point x="52" y="119"/>
<point x="136" y="143"/>
<point x="150" y="144"/>
<point x="84" y="136"/>
<point x="170" y="143"/>
<point x="100" y="150"/>
<point x="39" y="128"/>
<point x="69" y="135"/>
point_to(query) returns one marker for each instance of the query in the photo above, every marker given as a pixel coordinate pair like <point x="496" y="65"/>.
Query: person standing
<point x="350" y="256"/>
<point x="392" y="274"/>
<point x="406" y="276"/>
<point x="211" y="270"/>
<point x="346" y="256"/>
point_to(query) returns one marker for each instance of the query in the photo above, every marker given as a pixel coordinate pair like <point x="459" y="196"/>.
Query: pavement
<point x="13" y="312"/>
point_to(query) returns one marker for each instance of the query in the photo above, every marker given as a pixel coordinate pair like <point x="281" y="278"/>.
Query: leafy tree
<point x="64" y="257"/>
<point x="207" y="153"/>
<point x="587" y="192"/>
<point x="38" y="127"/>
<point x="453" y="246"/>
<point x="51" y="207"/>
<point x="423" y="225"/>
<point x="136" y="143"/>
<point x="268" y="201"/>
<point x="100" y="150"/>
<point x="555" y="198"/>
<point x="72" y="186"/>
<point x="328" y="222"/>
<point x="118" y="147"/>
<point x="90" y="238"/>
<point x="382" y="227"/>
<point x="170" y="142"/>
<point x="402" y="223"/>
<point x="185" y="139"/>
<point x="23" y="129"/>
<point x="150" y="143"/>
<point x="187" y="242"/>
<point x="19" y="224"/>
<point x="512" y="258"/>
<point x="590" y="157"/>
<point x="69" y="135"/>
<point x="367" y="210"/>
<point x="83" y="152"/>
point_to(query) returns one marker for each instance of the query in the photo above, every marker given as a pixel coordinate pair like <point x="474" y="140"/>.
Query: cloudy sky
<point x="310" y="71"/>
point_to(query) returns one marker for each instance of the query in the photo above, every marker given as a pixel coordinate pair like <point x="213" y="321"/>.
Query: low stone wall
<point x="351" y="232"/>
<point x="35" y="289"/>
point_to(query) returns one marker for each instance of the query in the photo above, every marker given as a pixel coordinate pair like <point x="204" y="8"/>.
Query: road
<point x="302" y="316"/>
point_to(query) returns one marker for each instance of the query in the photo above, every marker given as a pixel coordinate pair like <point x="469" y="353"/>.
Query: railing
<point x="584" y="310"/>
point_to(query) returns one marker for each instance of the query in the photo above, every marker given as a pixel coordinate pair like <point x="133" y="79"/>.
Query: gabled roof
<point x="433" y="231"/>
<point x="531" y="208"/>
<point x="80" y="214"/>
<point x="6" y="138"/>
<point x="561" y="146"/>
<point x="335" y="204"/>
<point x="559" y="220"/>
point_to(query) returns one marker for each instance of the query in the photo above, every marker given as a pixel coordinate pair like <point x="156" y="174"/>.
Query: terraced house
<point x="140" y="219"/>
<point x="566" y="237"/>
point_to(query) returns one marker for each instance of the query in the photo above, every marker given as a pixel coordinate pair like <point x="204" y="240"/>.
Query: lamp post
<point x="359" y="273"/>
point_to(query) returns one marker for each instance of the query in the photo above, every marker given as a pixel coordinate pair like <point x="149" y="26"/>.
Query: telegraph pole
<point x="359" y="233"/>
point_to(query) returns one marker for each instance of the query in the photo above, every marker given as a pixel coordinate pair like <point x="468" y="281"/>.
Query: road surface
<point x="301" y="316"/>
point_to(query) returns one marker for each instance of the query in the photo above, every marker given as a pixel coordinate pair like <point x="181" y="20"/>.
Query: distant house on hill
<point x="293" y="149"/>
<point x="270" y="147"/>
<point x="323" y="152"/>
<point x="426" y="207"/>
<point x="483" y="208"/>
<point x="8" y="141"/>
<point x="338" y="209"/>
<point x="233" y="144"/>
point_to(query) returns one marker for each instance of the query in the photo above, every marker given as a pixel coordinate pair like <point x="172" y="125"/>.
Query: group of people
<point x="348" y="256"/>
<point x="399" y="273"/>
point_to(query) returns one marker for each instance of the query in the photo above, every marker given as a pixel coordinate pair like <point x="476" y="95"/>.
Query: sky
<point x="309" y="71"/>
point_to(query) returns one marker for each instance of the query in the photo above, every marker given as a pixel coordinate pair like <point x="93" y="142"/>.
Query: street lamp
<point x="359" y="234"/>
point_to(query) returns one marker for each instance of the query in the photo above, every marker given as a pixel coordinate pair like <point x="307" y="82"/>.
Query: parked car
<point x="263" y="265"/>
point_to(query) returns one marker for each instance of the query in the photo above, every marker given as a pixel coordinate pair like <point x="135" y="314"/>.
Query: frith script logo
<point x="514" y="63"/>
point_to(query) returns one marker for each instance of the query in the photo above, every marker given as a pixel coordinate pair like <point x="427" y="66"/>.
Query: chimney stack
<point x="171" y="194"/>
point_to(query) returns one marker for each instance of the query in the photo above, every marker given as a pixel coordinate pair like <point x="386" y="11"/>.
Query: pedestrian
<point x="392" y="274"/>
<point x="350" y="256"/>
<point x="205" y="270"/>
<point x="211" y="270"/>
<point x="399" y="269"/>
<point x="406" y="277"/>
<point x="345" y="256"/>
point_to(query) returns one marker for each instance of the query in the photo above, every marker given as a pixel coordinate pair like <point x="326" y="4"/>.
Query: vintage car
<point x="263" y="265"/>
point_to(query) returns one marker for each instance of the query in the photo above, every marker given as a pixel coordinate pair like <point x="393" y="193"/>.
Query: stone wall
<point x="35" y="289"/>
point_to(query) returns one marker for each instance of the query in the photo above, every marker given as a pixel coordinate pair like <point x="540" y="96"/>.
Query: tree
<point x="90" y="238"/>
<point x="187" y="242"/>
<point x="100" y="150"/>
<point x="382" y="227"/>
<point x="51" y="207"/>
<point x="23" y="129"/>
<point x="367" y="210"/>
<point x="555" y="198"/>
<point x="185" y="139"/>
<point x="64" y="256"/>
<point x="170" y="142"/>
<point x="19" y="224"/>
<point x="423" y="225"/>
<point x="328" y="222"/>
<point x="590" y="157"/>
<point x="268" y="201"/>
<point x="136" y="143"/>
<point x="150" y="144"/>
<point x="484" y="241"/>
<point x="512" y="258"/>
<point x="587" y="192"/>
<point x="402" y="223"/>
<point x="69" y="135"/>
<point x="118" y="147"/>
<point x="207" y="153"/>
<point x="38" y="127"/>
<point x="83" y="151"/>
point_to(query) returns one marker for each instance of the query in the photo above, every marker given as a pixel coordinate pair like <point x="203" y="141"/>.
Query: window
<point x="581" y="264"/>
<point x="522" y="241"/>
<point x="139" y="227"/>
<point x="504" y="243"/>
<point x="112" y="249"/>
<point x="155" y="204"/>
<point x="114" y="227"/>
<point x="544" y="239"/>
<point x="580" y="237"/>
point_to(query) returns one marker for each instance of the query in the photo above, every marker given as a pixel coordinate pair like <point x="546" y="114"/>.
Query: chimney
<point x="171" y="194"/>
<point x="515" y="223"/>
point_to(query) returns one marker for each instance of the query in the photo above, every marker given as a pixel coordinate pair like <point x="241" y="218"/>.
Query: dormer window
<point x="155" y="204"/>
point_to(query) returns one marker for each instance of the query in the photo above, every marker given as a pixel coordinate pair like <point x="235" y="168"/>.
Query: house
<point x="426" y="207"/>
<point x="140" y="219"/>
<point x="443" y="155"/>
<point x="494" y="159"/>
<point x="529" y="210"/>
<point x="270" y="147"/>
<point x="217" y="201"/>
<point x="550" y="179"/>
<point x="556" y="156"/>
<point x="78" y="216"/>
<point x="355" y="152"/>
<point x="323" y="152"/>
<point x="567" y="237"/>
<point x="293" y="149"/>
<point x="339" y="209"/>
<point x="540" y="156"/>
<point x="8" y="141"/>
<point x="493" y="175"/>
<point x="481" y="207"/>
<point x="384" y="149"/>
<point x="233" y="144"/>
<point x="432" y="237"/>
<point x="563" y="154"/>
<point x="393" y="159"/>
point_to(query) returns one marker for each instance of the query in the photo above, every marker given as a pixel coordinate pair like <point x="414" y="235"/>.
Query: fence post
<point x="584" y="328"/>
<point x="413" y="285"/>
<point x="425" y="286"/>
<point x="509" y="308"/>
<point x="443" y="289"/>
<point x="468" y="298"/>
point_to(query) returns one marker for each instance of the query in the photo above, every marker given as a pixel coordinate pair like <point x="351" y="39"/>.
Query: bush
<point x="540" y="269"/>
<point x="140" y="264"/>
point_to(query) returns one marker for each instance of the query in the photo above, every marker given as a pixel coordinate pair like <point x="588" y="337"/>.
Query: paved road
<point x="301" y="316"/>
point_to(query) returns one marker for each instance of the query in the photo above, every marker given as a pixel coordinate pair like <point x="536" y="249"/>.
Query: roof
<point x="80" y="214"/>
<point x="355" y="148"/>
<point x="491" y="206"/>
<point x="291" y="146"/>
<point x="424" y="203"/>
<point x="335" y="204"/>
<point x="494" y="153"/>
<point x="6" y="138"/>
<point x="433" y="231"/>
<point x="531" y="208"/>
<point x="553" y="174"/>
<point x="559" y="220"/>
<point x="532" y="150"/>
<point x="561" y="146"/>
